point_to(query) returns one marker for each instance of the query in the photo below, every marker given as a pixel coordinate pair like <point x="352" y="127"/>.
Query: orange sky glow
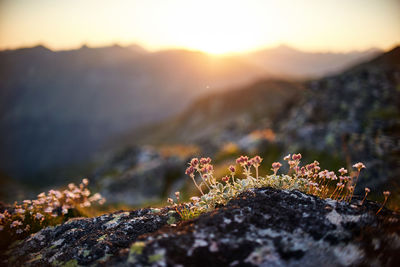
<point x="223" y="26"/>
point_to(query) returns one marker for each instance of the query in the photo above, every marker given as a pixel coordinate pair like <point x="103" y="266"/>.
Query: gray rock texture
<point x="262" y="227"/>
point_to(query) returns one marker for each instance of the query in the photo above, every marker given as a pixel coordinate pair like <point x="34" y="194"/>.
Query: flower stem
<point x="383" y="204"/>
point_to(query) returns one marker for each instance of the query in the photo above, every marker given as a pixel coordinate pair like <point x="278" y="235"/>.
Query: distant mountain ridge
<point x="286" y="61"/>
<point x="57" y="108"/>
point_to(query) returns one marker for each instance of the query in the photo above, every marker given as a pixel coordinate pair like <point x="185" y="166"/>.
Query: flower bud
<point x="232" y="169"/>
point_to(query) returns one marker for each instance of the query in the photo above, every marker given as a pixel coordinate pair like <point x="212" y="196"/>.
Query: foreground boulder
<point x="266" y="227"/>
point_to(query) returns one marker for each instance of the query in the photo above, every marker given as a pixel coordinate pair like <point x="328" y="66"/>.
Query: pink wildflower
<point x="276" y="166"/>
<point x="225" y="179"/>
<point x="189" y="170"/>
<point x="342" y="171"/>
<point x="194" y="162"/>
<point x="296" y="156"/>
<point x="232" y="169"/>
<point x="85" y="181"/>
<point x="359" y="166"/>
<point x="15" y="224"/>
<point x="205" y="161"/>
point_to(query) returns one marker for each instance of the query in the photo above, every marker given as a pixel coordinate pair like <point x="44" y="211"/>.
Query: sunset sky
<point x="215" y="26"/>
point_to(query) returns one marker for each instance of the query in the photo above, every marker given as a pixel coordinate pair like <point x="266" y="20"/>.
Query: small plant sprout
<point x="367" y="190"/>
<point x="386" y="194"/>
<point x="186" y="211"/>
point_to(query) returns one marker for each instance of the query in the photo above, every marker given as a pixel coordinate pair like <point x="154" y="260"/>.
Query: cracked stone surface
<point x="262" y="227"/>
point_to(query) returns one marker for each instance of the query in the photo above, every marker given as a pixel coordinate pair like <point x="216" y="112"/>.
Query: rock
<point x="85" y="240"/>
<point x="138" y="175"/>
<point x="262" y="227"/>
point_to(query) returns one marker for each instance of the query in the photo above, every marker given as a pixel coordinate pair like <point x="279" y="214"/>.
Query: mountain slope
<point x="58" y="108"/>
<point x="220" y="116"/>
<point x="355" y="115"/>
<point x="289" y="62"/>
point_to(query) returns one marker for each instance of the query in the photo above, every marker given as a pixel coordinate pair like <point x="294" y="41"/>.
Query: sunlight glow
<point x="222" y="26"/>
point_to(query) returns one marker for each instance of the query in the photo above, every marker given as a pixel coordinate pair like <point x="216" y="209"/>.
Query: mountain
<point x="286" y="61"/>
<point x="344" y="118"/>
<point x="222" y="116"/>
<point x="58" y="108"/>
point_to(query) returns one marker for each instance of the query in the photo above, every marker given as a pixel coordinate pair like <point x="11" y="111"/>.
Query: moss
<point x="71" y="263"/>
<point x="171" y="220"/>
<point x="101" y="238"/>
<point x="55" y="263"/>
<point x="116" y="218"/>
<point x="155" y="258"/>
<point x="86" y="253"/>
<point x="137" y="248"/>
<point x="155" y="210"/>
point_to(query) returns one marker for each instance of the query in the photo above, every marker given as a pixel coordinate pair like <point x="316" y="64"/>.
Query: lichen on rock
<point x="261" y="227"/>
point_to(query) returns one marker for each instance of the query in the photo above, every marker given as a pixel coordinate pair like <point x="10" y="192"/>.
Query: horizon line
<point x="172" y="48"/>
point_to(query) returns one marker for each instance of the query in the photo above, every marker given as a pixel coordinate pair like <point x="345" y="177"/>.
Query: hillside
<point x="220" y="117"/>
<point x="348" y="117"/>
<point x="58" y="108"/>
<point x="355" y="115"/>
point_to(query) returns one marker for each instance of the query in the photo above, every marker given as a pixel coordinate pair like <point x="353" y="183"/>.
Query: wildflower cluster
<point x="48" y="209"/>
<point x="309" y="179"/>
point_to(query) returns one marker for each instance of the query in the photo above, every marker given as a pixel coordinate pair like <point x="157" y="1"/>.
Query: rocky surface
<point x="355" y="115"/>
<point x="264" y="227"/>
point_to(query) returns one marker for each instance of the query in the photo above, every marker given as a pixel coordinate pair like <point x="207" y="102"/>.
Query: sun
<point x="216" y="27"/>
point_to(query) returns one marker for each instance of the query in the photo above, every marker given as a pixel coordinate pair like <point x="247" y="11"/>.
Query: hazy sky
<point x="216" y="26"/>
